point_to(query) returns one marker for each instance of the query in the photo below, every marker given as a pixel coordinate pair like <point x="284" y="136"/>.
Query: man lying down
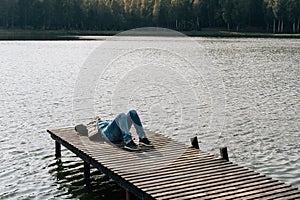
<point x="117" y="130"/>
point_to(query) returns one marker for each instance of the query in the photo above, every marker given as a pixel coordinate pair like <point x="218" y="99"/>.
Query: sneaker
<point x="146" y="142"/>
<point x="132" y="146"/>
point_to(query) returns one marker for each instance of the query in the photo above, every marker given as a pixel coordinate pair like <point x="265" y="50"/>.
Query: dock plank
<point x="169" y="186"/>
<point x="292" y="194"/>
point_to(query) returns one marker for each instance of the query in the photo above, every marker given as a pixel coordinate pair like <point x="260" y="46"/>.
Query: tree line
<point x="278" y="16"/>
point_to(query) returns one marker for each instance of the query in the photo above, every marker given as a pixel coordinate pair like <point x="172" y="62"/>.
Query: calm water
<point x="261" y="126"/>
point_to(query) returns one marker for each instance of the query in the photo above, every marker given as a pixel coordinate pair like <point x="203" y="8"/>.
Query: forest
<point x="274" y="16"/>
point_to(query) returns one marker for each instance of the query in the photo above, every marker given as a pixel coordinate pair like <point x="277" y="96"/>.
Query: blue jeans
<point x="118" y="129"/>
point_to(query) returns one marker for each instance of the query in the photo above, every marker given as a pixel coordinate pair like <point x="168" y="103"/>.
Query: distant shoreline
<point x="26" y="34"/>
<point x="232" y="34"/>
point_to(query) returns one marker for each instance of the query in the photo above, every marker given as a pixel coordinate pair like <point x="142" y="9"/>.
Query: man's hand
<point x="97" y="119"/>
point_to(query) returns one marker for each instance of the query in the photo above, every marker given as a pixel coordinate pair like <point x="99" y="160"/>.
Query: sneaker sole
<point x="132" y="149"/>
<point x="146" y="145"/>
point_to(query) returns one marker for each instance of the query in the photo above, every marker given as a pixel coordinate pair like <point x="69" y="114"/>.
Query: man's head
<point x="97" y="119"/>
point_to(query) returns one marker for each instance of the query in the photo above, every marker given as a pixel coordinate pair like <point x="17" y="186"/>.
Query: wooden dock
<point x="171" y="170"/>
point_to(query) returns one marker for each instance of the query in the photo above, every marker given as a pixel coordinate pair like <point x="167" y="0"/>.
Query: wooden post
<point x="57" y="149"/>
<point x="194" y="142"/>
<point x="224" y="153"/>
<point x="87" y="172"/>
<point x="130" y="196"/>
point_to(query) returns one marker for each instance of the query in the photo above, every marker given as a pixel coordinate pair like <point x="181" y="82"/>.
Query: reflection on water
<point x="68" y="174"/>
<point x="261" y="130"/>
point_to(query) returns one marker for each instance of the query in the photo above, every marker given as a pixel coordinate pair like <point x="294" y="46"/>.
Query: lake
<point x="240" y="93"/>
